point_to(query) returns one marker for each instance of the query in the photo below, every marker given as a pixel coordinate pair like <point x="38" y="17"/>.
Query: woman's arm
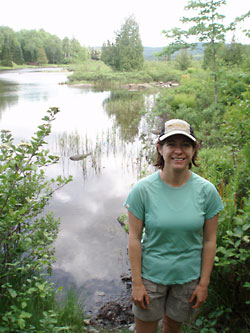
<point x="139" y="293"/>
<point x="209" y="249"/>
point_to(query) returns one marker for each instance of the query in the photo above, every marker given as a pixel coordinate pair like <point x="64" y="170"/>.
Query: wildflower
<point x="25" y="144"/>
<point x="4" y="146"/>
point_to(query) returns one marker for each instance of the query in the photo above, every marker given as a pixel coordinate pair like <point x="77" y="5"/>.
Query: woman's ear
<point x="158" y="147"/>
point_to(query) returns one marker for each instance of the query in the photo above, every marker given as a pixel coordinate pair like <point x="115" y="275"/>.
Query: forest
<point x="39" y="48"/>
<point x="212" y="93"/>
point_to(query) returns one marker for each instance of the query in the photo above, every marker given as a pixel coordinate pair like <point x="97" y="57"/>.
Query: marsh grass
<point x="70" y="312"/>
<point x="104" y="77"/>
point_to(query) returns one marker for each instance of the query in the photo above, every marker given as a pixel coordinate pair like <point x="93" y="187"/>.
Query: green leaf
<point x="198" y="322"/>
<point x="246" y="226"/>
<point x="21" y="323"/>
<point x="23" y="305"/>
<point x="12" y="293"/>
<point x="237" y="243"/>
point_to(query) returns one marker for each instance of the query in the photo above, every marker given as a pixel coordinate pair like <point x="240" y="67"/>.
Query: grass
<point x="98" y="73"/>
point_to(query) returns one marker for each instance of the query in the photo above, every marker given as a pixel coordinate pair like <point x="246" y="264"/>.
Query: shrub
<point x="26" y="232"/>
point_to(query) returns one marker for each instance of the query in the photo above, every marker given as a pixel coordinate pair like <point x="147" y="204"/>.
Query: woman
<point x="173" y="216"/>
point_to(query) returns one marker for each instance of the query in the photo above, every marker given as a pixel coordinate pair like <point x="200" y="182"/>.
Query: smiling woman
<point x="173" y="217"/>
<point x="180" y="140"/>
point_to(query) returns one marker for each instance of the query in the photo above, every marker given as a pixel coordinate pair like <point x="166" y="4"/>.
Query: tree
<point x="66" y="49"/>
<point x="183" y="60"/>
<point x="10" y="49"/>
<point x="5" y="55"/>
<point x="129" y="46"/>
<point x="53" y="48"/>
<point x="126" y="54"/>
<point x="233" y="54"/>
<point x="207" y="28"/>
<point x="41" y="56"/>
<point x="32" y="46"/>
<point x="108" y="55"/>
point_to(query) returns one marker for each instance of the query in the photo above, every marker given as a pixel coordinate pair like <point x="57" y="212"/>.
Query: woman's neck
<point x="175" y="179"/>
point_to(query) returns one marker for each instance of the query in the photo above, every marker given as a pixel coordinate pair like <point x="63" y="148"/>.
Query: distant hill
<point x="150" y="52"/>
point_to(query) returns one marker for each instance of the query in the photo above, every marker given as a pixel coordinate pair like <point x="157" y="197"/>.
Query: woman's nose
<point x="178" y="148"/>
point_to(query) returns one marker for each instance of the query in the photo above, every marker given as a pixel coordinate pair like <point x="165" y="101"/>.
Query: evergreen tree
<point x="183" y="60"/>
<point x="126" y="54"/>
<point x="5" y="55"/>
<point x="233" y="54"/>
<point x="108" y="55"/>
<point x="66" y="49"/>
<point x="10" y="49"/>
<point x="41" y="56"/>
<point x="129" y="46"/>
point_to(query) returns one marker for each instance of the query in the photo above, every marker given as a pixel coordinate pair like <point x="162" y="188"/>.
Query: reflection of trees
<point x="7" y="97"/>
<point x="128" y="108"/>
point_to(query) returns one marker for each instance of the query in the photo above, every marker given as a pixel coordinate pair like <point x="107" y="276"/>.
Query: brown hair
<point x="159" y="163"/>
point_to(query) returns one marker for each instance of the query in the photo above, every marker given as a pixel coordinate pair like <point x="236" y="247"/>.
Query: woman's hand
<point x="140" y="296"/>
<point x="199" y="296"/>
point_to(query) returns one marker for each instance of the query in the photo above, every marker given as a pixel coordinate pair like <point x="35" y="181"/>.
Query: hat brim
<point x="167" y="135"/>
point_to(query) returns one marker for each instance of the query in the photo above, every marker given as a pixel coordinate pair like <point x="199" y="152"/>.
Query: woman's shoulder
<point x="202" y="183"/>
<point x="148" y="180"/>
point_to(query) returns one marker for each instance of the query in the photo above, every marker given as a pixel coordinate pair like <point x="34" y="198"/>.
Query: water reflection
<point x="8" y="95"/>
<point x="127" y="107"/>
<point x="91" y="246"/>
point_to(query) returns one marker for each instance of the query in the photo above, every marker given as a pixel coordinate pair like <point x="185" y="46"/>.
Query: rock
<point x="114" y="313"/>
<point x="93" y="330"/>
<point x="100" y="293"/>
<point x="126" y="277"/>
<point x="87" y="321"/>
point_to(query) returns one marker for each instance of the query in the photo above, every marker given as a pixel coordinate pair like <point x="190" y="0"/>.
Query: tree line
<point x="38" y="47"/>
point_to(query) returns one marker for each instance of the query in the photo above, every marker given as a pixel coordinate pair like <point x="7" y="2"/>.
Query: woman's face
<point x="177" y="152"/>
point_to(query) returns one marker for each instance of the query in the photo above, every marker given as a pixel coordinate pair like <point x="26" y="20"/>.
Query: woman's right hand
<point x="140" y="296"/>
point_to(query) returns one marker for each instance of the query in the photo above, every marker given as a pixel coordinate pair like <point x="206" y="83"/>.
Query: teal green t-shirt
<point x="173" y="225"/>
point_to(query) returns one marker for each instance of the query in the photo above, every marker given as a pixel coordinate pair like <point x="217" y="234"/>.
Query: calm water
<point x="91" y="246"/>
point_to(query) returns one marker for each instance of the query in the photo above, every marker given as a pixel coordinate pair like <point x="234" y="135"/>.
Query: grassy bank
<point x="2" y="68"/>
<point x="99" y="74"/>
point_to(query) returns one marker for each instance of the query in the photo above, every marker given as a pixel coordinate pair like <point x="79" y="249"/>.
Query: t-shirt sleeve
<point x="135" y="202"/>
<point x="214" y="203"/>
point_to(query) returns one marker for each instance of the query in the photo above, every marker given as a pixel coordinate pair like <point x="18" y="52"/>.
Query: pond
<point x="91" y="247"/>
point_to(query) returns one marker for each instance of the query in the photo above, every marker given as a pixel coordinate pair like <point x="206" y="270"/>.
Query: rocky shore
<point x="115" y="314"/>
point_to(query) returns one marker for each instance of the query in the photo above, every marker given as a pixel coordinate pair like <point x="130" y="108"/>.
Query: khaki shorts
<point x="172" y="300"/>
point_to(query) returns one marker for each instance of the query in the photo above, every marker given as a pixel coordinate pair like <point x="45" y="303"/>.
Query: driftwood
<point x="79" y="157"/>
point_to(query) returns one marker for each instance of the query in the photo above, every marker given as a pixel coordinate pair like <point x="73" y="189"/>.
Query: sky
<point x="93" y="22"/>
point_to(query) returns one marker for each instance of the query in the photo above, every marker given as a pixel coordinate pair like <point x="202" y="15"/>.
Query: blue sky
<point x="94" y="22"/>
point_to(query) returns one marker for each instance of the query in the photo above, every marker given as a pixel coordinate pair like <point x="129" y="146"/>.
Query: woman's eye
<point x="186" y="145"/>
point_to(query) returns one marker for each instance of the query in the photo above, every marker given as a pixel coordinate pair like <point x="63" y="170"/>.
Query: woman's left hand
<point x="199" y="296"/>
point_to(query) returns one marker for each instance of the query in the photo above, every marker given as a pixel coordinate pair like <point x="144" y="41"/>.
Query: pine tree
<point x="41" y="56"/>
<point x="129" y="46"/>
<point x="6" y="55"/>
<point x="126" y="54"/>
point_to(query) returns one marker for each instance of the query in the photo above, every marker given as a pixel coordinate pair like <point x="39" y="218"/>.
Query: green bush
<point x="27" y="234"/>
<point x="161" y="71"/>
